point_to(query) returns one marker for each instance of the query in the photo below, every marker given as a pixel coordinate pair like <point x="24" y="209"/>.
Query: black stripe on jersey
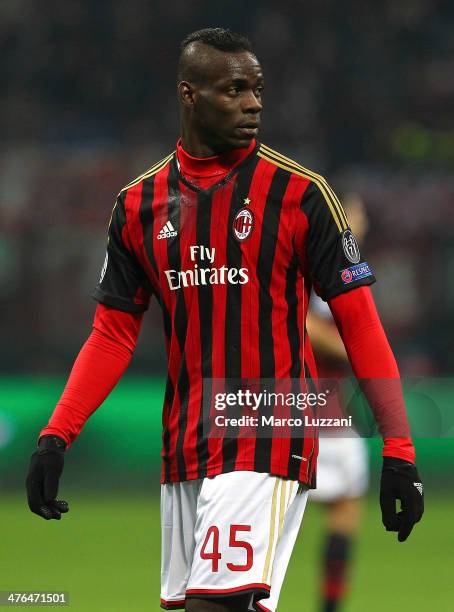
<point x="265" y="263"/>
<point x="169" y="392"/>
<point x="168" y="402"/>
<point x="205" y="295"/>
<point x="180" y="323"/>
<point x="311" y="385"/>
<point x="232" y="338"/>
<point x="293" y="334"/>
<point x="146" y="219"/>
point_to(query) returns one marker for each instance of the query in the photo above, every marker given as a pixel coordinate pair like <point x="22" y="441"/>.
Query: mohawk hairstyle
<point x="218" y="38"/>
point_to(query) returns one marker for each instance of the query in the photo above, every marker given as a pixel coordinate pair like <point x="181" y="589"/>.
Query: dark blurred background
<point x="362" y="92"/>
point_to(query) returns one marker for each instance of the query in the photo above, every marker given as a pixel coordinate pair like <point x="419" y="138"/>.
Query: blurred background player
<point x="342" y="474"/>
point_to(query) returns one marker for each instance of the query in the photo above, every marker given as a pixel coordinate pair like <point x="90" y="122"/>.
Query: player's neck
<point x="196" y="146"/>
<point x="211" y="165"/>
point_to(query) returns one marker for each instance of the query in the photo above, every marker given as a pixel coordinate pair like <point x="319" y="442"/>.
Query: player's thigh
<point x="238" y="603"/>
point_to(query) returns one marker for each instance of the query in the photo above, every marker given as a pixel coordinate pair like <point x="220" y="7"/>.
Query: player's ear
<point x="186" y="93"/>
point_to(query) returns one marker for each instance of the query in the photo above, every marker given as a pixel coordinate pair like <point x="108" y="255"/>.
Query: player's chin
<point x="240" y="139"/>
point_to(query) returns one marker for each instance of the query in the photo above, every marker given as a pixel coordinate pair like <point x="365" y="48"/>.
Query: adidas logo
<point x="419" y="486"/>
<point x="168" y="231"/>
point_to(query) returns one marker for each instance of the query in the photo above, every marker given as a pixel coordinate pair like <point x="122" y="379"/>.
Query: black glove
<point x="46" y="466"/>
<point x="400" y="480"/>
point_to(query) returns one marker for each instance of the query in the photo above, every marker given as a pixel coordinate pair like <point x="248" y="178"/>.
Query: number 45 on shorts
<point x="212" y="541"/>
<point x="233" y="533"/>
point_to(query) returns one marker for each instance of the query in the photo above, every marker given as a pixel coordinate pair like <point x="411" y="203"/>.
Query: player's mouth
<point x="248" y="129"/>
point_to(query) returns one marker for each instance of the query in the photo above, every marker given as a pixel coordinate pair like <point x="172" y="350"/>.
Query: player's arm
<point x="123" y="292"/>
<point x="374" y="365"/>
<point x="99" y="366"/>
<point x="340" y="276"/>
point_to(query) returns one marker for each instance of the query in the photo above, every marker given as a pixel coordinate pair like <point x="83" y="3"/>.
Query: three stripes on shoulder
<point x="288" y="164"/>
<point x="150" y="172"/>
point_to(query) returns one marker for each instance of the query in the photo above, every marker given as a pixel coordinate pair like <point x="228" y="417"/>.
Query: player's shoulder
<point x="289" y="165"/>
<point x="152" y="171"/>
<point x="318" y="198"/>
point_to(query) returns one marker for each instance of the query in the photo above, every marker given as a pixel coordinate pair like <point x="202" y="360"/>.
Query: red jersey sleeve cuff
<point x="54" y="431"/>
<point x="401" y="448"/>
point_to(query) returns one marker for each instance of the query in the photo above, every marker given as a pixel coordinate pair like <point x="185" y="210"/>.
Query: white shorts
<point x="233" y="533"/>
<point x="342" y="469"/>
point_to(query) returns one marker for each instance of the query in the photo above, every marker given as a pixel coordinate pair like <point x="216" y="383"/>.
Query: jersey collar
<point x="217" y="165"/>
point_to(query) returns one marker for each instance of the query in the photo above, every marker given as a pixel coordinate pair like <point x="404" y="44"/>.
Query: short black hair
<point x="217" y="38"/>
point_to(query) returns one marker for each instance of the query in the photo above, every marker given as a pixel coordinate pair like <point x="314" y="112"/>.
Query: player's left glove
<point x="400" y="480"/>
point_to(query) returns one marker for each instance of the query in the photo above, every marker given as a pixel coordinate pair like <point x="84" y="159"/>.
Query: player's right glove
<point x="46" y="466"/>
<point x="400" y="480"/>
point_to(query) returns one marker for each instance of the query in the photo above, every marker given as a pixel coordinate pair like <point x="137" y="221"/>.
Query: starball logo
<point x="206" y="273"/>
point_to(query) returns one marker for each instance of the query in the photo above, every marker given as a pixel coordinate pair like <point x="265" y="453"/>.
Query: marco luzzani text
<point x="253" y="401"/>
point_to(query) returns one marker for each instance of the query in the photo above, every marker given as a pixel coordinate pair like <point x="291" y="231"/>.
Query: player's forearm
<point x="374" y="365"/>
<point x="99" y="366"/>
<point x="97" y="369"/>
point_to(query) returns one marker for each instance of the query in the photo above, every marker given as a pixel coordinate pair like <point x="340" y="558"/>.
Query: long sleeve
<point x="374" y="365"/>
<point x="99" y="366"/>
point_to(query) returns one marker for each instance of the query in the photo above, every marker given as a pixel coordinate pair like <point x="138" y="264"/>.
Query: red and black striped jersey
<point x="232" y="268"/>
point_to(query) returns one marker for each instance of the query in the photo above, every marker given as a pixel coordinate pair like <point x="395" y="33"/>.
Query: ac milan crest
<point x="243" y="224"/>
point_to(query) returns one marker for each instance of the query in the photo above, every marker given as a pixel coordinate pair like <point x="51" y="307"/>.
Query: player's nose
<point x="252" y="103"/>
